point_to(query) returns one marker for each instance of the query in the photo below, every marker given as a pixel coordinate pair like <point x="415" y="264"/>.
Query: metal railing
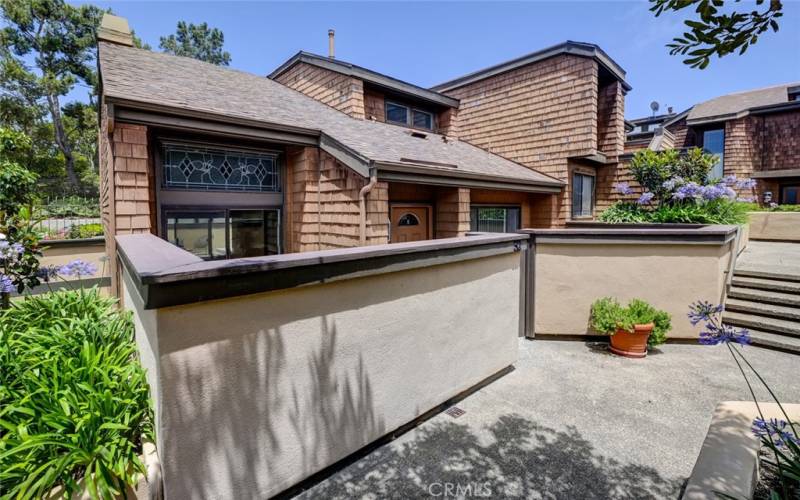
<point x="71" y="217"/>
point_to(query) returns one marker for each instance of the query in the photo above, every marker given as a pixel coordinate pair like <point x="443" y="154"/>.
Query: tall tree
<point x="197" y="41"/>
<point x="59" y="38"/>
<point x="713" y="32"/>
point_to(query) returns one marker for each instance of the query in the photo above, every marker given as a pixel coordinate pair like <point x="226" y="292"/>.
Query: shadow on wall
<point x="244" y="428"/>
<point x="512" y="458"/>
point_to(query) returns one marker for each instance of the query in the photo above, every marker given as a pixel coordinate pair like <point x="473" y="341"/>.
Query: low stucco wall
<point x="255" y="393"/>
<point x="61" y="252"/>
<point x="569" y="277"/>
<point x="775" y="226"/>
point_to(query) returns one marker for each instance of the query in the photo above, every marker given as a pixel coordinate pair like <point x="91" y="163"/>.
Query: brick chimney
<point x="115" y="29"/>
<point x="331" y="34"/>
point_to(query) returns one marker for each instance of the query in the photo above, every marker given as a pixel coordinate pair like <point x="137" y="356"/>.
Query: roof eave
<point x="573" y="48"/>
<point x="366" y="75"/>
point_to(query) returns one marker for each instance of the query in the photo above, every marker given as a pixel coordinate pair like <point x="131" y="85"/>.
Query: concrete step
<point x="762" y="323"/>
<point x="776" y="273"/>
<point x="759" y="309"/>
<point x="765" y="296"/>
<point x="775" y="341"/>
<point x="765" y="284"/>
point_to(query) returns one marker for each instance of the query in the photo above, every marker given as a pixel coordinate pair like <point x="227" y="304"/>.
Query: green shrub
<point x="85" y="231"/>
<point x="74" y="401"/>
<point x="719" y="211"/>
<point x="608" y="315"/>
<point x="755" y="207"/>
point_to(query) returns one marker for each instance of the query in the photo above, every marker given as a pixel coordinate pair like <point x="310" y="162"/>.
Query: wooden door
<point x="411" y="223"/>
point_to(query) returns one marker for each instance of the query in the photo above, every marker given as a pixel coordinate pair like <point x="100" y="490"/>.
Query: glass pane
<point x="396" y="113"/>
<point x="254" y="233"/>
<point x="408" y="220"/>
<point x="714" y="142"/>
<point x="512" y="219"/>
<point x="587" y="195"/>
<point x="790" y="195"/>
<point x="577" y="192"/>
<point x="203" y="234"/>
<point x="423" y="119"/>
<point x="210" y="169"/>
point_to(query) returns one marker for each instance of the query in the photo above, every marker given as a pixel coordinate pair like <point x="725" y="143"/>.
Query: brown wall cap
<point x="165" y="275"/>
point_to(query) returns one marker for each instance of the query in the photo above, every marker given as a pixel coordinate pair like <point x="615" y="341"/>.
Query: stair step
<point x="775" y="341"/>
<point x="766" y="296"/>
<point x="765" y="284"/>
<point x="762" y="323"/>
<point x="775" y="273"/>
<point x="759" y="309"/>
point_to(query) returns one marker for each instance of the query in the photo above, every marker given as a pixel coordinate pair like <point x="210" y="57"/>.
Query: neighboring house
<point x="755" y="133"/>
<point x="325" y="154"/>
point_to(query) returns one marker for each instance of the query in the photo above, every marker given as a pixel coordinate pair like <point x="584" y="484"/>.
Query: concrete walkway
<point x="771" y="258"/>
<point x="571" y="421"/>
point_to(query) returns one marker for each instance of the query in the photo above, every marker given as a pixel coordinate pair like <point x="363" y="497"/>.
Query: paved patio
<point x="571" y="421"/>
<point x="779" y="259"/>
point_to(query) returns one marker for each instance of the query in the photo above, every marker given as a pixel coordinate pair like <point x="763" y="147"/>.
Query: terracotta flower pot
<point x="631" y="344"/>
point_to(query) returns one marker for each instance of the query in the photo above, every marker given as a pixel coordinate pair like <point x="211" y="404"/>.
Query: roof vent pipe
<point x="331" y="34"/>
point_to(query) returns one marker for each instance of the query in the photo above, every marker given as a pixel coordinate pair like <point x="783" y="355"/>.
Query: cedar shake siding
<point x="543" y="114"/>
<point x="339" y="91"/>
<point x="322" y="204"/>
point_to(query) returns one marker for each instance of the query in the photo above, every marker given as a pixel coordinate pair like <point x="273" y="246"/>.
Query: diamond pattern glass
<point x="220" y="170"/>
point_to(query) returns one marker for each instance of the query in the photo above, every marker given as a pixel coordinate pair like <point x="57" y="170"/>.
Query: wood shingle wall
<point x="339" y="91"/>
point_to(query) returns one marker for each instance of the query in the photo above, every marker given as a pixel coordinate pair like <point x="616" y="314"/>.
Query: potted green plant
<point x="633" y="328"/>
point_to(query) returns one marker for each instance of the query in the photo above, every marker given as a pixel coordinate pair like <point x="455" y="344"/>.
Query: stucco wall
<point x="775" y="226"/>
<point x="259" y="392"/>
<point x="569" y="277"/>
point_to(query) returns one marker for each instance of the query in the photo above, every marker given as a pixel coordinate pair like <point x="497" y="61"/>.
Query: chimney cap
<point x="115" y="29"/>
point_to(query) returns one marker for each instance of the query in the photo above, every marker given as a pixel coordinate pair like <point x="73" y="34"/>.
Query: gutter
<point x="362" y="204"/>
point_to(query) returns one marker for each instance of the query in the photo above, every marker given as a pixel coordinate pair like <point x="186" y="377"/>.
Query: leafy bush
<point x="85" y="231"/>
<point x="19" y="254"/>
<point x="74" y="401"/>
<point x="653" y="169"/>
<point x="16" y="182"/>
<point x="608" y="315"/>
<point x="719" y="211"/>
<point x="772" y="207"/>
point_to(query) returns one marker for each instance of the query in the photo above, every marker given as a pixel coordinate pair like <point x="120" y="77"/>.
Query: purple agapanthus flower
<point x="672" y="183"/>
<point x="46" y="273"/>
<point x="688" y="191"/>
<point x="623" y="188"/>
<point x="725" y="334"/>
<point x="776" y="428"/>
<point x="730" y="180"/>
<point x="746" y="199"/>
<point x="6" y="285"/>
<point x="78" y="268"/>
<point x="746" y="183"/>
<point x="645" y="198"/>
<point x="703" y="311"/>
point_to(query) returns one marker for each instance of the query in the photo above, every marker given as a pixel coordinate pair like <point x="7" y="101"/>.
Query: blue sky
<point x="429" y="42"/>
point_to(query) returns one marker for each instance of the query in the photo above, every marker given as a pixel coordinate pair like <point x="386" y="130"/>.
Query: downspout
<point x="362" y="204"/>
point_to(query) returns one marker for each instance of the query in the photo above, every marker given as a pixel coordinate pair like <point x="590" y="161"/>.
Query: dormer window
<point x="400" y="114"/>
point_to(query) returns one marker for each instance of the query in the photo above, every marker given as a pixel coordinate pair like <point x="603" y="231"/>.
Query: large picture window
<point x="714" y="143"/>
<point x="487" y="219"/>
<point x="224" y="234"/>
<point x="582" y="195"/>
<point x="197" y="168"/>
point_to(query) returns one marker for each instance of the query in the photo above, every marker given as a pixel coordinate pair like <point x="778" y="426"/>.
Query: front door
<point x="410" y="223"/>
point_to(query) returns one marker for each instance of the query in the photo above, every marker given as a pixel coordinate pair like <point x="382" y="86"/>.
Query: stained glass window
<point x="220" y="170"/>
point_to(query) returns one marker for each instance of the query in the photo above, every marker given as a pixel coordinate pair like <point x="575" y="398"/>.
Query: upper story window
<point x="582" y="195"/>
<point x="410" y="117"/>
<point x="714" y="143"/>
<point x="207" y="169"/>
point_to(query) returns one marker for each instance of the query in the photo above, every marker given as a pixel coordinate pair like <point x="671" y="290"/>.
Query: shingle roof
<point x="181" y="83"/>
<point x="735" y="105"/>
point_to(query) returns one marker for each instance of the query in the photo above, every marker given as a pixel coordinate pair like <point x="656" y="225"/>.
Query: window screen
<point x="487" y="219"/>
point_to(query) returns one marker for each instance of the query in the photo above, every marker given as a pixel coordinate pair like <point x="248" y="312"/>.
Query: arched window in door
<point x="408" y="220"/>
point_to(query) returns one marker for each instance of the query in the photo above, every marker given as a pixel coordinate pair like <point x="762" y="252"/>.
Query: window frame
<point x="504" y="206"/>
<point x="199" y="200"/>
<point x="782" y="186"/>
<point x="193" y="211"/>
<point x="721" y="155"/>
<point x="593" y="201"/>
<point x="410" y="110"/>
